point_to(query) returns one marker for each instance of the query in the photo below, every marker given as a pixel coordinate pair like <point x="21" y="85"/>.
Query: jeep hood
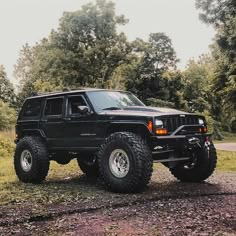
<point x="144" y="111"/>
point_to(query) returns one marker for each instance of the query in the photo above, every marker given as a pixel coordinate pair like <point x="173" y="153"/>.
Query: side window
<point x="32" y="108"/>
<point x="73" y="104"/>
<point x="53" y="107"/>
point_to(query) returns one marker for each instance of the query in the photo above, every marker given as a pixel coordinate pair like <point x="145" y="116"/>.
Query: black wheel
<point x="89" y="165"/>
<point x="201" y="166"/>
<point x="31" y="160"/>
<point x="125" y="162"/>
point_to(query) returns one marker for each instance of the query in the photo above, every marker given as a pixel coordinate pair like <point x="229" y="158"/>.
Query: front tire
<point x="125" y="163"/>
<point x="200" y="168"/>
<point x="31" y="160"/>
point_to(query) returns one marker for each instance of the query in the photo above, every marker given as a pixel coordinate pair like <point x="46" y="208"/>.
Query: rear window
<point x="53" y="107"/>
<point x="32" y="109"/>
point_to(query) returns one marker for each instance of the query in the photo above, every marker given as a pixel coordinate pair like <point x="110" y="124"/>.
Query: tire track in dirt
<point x="53" y="215"/>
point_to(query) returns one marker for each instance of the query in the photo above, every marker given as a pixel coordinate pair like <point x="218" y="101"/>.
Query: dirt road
<point x="167" y="207"/>
<point x="226" y="146"/>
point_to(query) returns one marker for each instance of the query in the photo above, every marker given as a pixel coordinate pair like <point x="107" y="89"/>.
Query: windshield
<point x="112" y="100"/>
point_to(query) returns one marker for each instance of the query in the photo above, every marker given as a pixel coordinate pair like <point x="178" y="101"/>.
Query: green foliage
<point x="197" y="81"/>
<point x="216" y="12"/>
<point x="154" y="102"/>
<point x="6" y="88"/>
<point x="222" y="15"/>
<point x="7" y="116"/>
<point x="145" y="76"/>
<point x="6" y="147"/>
<point x="84" y="51"/>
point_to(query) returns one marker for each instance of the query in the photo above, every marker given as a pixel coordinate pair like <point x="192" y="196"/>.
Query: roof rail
<point x="66" y="89"/>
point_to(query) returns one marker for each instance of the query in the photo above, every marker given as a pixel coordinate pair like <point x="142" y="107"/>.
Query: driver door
<point x="78" y="132"/>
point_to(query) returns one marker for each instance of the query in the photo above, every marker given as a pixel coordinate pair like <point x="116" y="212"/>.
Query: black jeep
<point x="113" y="135"/>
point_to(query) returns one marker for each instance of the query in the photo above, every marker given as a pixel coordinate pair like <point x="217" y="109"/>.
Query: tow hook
<point x="194" y="141"/>
<point x="207" y="144"/>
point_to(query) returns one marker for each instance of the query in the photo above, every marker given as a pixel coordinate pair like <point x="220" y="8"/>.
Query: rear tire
<point x="125" y="163"/>
<point x="31" y="160"/>
<point x="201" y="169"/>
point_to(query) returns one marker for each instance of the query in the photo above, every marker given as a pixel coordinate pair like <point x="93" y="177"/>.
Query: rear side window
<point x="32" y="108"/>
<point x="53" y="107"/>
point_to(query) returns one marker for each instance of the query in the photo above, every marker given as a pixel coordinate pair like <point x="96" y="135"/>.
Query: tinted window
<point x="32" y="108"/>
<point x="74" y="103"/>
<point x="53" y="107"/>
<point x="112" y="100"/>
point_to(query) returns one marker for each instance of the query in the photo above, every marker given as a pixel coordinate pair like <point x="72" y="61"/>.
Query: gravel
<point x="167" y="207"/>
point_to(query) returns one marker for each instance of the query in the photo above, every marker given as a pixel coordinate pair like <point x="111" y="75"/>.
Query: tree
<point x="84" y="51"/>
<point x="6" y="88"/>
<point x="145" y="75"/>
<point x="7" y="116"/>
<point x="197" y="80"/>
<point x="216" y="12"/>
<point x="222" y="15"/>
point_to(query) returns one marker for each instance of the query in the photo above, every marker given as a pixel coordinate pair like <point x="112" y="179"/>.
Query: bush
<point x="7" y="116"/>
<point x="6" y="147"/>
<point x="159" y="103"/>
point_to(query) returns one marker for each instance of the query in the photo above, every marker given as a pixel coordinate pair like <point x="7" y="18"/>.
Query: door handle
<point x="66" y="118"/>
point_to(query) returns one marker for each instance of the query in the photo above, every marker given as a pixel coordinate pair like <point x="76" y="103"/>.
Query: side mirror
<point x="83" y="110"/>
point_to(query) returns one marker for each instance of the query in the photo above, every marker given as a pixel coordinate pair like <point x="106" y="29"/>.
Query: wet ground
<point x="167" y="207"/>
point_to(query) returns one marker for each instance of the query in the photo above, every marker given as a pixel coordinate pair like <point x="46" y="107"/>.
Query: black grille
<point x="173" y="122"/>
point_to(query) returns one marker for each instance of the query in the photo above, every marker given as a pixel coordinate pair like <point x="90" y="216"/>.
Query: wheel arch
<point x="32" y="132"/>
<point x="137" y="128"/>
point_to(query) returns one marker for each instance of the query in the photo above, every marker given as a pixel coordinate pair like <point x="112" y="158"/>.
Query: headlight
<point x="201" y="121"/>
<point x="158" y="123"/>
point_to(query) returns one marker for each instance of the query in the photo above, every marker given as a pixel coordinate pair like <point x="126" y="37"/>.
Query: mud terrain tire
<point x="125" y="163"/>
<point x="203" y="168"/>
<point x="31" y="160"/>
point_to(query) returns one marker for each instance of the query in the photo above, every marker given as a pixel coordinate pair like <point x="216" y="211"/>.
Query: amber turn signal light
<point x="161" y="131"/>
<point x="150" y="126"/>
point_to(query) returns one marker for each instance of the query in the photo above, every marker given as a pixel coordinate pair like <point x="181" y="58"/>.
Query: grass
<point x="63" y="186"/>
<point x="226" y="161"/>
<point x="6" y="144"/>
<point x="228" y="138"/>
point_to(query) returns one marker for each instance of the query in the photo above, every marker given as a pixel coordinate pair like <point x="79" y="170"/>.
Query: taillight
<point x="203" y="130"/>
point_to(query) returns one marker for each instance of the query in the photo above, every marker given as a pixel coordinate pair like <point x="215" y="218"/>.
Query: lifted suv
<point x="113" y="135"/>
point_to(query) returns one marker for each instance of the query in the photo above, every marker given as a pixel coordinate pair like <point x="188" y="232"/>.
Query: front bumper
<point x="184" y="137"/>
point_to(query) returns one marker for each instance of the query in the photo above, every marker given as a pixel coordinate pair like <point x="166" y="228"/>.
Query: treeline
<point x="87" y="51"/>
<point x="7" y="101"/>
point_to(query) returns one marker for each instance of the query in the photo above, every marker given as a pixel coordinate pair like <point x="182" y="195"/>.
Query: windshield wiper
<point x="111" y="108"/>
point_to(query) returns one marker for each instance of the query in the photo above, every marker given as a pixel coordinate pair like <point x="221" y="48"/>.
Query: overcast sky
<point x="28" y="21"/>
